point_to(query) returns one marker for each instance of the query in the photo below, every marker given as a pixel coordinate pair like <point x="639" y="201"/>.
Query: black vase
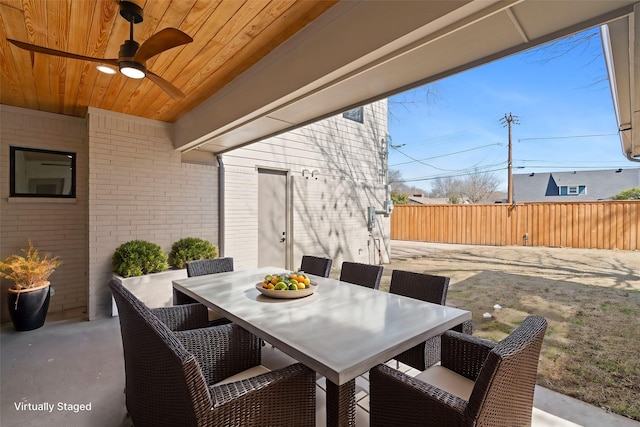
<point x="31" y="309"/>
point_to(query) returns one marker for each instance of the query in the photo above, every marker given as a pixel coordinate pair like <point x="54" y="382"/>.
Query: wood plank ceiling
<point x="229" y="36"/>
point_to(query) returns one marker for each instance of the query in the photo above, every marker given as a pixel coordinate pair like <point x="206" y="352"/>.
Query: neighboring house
<point x="573" y="186"/>
<point x="421" y="199"/>
<point x="495" y="197"/>
<point x="131" y="183"/>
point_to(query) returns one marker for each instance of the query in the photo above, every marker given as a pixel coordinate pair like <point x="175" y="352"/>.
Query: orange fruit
<point x="271" y="286"/>
<point x="265" y="285"/>
<point x="275" y="280"/>
<point x="306" y="281"/>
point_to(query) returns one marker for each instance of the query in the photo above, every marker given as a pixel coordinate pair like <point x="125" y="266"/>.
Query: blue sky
<point x="559" y="103"/>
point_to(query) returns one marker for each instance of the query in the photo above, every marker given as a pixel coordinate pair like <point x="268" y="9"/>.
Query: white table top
<point x="341" y="331"/>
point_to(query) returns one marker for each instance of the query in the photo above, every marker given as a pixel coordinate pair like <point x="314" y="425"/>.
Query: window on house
<point x="573" y="190"/>
<point x="42" y="173"/>
<point x="356" y="114"/>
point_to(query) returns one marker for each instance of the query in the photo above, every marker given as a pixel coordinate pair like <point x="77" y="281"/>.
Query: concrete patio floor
<point x="71" y="361"/>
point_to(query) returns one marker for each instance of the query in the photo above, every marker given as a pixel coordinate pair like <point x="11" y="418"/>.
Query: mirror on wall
<point x="42" y="173"/>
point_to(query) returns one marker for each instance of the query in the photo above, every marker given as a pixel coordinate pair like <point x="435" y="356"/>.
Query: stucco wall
<point x="140" y="189"/>
<point x="56" y="226"/>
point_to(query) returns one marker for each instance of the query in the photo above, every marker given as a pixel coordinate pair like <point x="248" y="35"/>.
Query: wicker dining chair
<point x="202" y="267"/>
<point x="209" y="266"/>
<point x="429" y="288"/>
<point x="366" y="275"/>
<point x="316" y="265"/>
<point x="204" y="377"/>
<point x="479" y="383"/>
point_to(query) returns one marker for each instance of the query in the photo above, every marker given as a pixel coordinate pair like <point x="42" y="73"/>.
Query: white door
<point x="272" y="218"/>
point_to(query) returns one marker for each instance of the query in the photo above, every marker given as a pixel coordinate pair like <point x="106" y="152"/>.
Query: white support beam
<point x="361" y="51"/>
<point x="634" y="59"/>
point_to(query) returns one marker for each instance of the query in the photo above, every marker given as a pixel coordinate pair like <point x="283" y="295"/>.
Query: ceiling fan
<point x="132" y="57"/>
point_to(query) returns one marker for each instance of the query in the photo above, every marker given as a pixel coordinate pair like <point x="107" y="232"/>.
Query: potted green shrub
<point x="29" y="296"/>
<point x="142" y="267"/>
<point x="138" y="257"/>
<point x="191" y="249"/>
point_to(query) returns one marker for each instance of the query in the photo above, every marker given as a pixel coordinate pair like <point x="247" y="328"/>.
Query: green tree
<point x="630" y="194"/>
<point x="399" y="198"/>
<point x="454" y="200"/>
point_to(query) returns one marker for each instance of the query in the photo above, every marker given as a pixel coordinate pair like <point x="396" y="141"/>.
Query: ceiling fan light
<point x="132" y="69"/>
<point x="106" y="69"/>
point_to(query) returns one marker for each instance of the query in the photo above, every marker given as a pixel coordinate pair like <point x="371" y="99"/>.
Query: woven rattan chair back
<point x="503" y="391"/>
<point x="425" y="287"/>
<point x="316" y="265"/>
<point x="200" y="268"/>
<point x="366" y="275"/>
<point x="209" y="266"/>
<point x="162" y="378"/>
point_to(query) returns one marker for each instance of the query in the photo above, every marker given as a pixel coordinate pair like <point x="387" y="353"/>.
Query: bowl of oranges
<point x="288" y="285"/>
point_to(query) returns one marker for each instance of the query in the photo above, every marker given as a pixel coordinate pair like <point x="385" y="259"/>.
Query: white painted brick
<point x="142" y="196"/>
<point x="55" y="228"/>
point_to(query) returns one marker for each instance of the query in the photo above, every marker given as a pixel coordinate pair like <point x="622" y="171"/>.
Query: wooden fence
<point x="597" y="225"/>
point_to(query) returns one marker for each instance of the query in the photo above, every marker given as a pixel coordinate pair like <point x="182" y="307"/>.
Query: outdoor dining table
<point x="340" y="331"/>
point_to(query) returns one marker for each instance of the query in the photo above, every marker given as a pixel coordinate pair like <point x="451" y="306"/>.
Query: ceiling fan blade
<point x="171" y="90"/>
<point x="47" y="51"/>
<point x="161" y="41"/>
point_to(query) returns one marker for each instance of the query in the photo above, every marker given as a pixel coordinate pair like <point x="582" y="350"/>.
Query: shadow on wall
<point x="330" y="205"/>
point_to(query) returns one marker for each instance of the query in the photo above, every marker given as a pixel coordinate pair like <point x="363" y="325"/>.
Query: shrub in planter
<point x="138" y="257"/>
<point x="191" y="249"/>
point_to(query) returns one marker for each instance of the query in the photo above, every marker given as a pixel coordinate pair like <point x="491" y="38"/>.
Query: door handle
<point x="283" y="238"/>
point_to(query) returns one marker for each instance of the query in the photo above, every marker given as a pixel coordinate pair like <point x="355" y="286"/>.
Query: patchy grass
<point x="591" y="299"/>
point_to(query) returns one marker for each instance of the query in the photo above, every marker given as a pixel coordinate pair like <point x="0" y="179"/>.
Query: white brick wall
<point x="333" y="222"/>
<point x="241" y="213"/>
<point x="55" y="226"/>
<point x="131" y="184"/>
<point x="140" y="189"/>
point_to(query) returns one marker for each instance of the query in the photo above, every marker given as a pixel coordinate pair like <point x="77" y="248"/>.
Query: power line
<point x="573" y="161"/>
<point x="568" y="136"/>
<point x="444" y="155"/>
<point x="463" y="172"/>
<point x="566" y="167"/>
<point x="434" y="141"/>
<point x="420" y="161"/>
<point x="429" y="178"/>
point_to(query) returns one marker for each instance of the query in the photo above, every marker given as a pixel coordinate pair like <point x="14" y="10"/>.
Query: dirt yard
<point x="590" y="297"/>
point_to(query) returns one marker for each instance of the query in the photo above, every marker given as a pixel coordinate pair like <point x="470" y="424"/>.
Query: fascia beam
<point x="634" y="71"/>
<point x="341" y="41"/>
<point x="235" y="116"/>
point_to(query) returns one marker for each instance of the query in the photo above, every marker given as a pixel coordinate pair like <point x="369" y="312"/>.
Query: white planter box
<point x="155" y="290"/>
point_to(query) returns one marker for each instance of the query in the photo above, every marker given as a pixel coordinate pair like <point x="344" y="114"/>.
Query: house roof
<point x="600" y="184"/>
<point x="421" y="200"/>
<point x="342" y="56"/>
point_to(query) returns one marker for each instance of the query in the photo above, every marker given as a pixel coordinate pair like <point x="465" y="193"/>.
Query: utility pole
<point x="508" y="120"/>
